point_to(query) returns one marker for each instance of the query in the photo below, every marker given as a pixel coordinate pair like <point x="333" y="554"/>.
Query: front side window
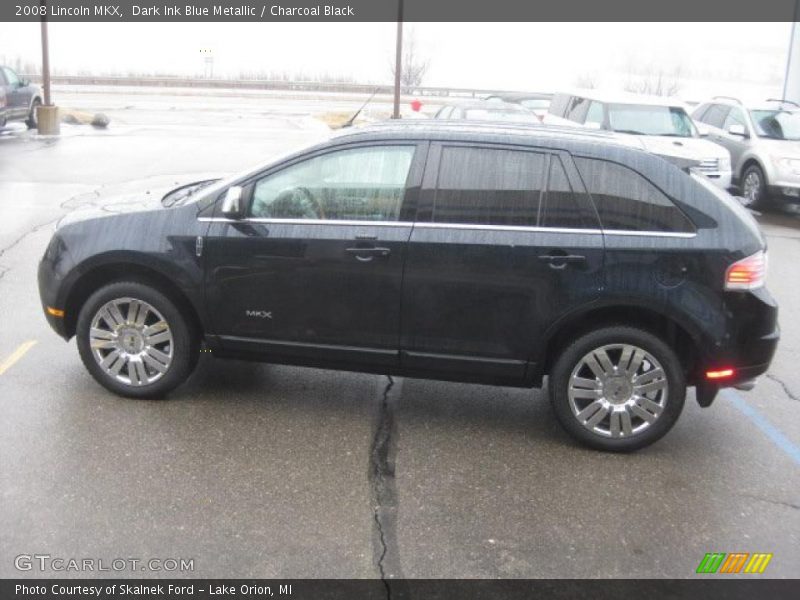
<point x="627" y="201"/>
<point x="359" y="184"/>
<point x="735" y="117"/>
<point x="777" y="124"/>
<point x="643" y="119"/>
<point x="489" y="186"/>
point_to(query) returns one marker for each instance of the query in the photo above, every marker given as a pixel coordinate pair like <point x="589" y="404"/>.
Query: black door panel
<point x="302" y="283"/>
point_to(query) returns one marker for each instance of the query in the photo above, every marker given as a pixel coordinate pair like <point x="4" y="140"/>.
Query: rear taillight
<point x="748" y="273"/>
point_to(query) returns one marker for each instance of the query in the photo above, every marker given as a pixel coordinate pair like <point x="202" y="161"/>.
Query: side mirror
<point x="24" y="83"/>
<point x="593" y="125"/>
<point x="703" y="130"/>
<point x="738" y="130"/>
<point x="232" y="203"/>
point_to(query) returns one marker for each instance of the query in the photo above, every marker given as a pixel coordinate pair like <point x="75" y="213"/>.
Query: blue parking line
<point x="774" y="434"/>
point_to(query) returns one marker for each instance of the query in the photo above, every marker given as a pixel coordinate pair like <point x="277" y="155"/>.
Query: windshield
<point x="641" y="119"/>
<point x="490" y="114"/>
<point x="777" y="124"/>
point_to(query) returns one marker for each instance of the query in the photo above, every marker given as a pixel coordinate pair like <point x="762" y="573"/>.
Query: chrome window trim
<point x="466" y="226"/>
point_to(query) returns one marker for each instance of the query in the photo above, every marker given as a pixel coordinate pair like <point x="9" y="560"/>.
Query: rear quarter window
<point x="626" y="201"/>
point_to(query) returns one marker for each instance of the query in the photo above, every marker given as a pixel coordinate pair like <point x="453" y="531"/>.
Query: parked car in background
<point x="764" y="142"/>
<point x="477" y="252"/>
<point x="480" y="110"/>
<point x="18" y="98"/>
<point x="657" y="124"/>
<point x="536" y="102"/>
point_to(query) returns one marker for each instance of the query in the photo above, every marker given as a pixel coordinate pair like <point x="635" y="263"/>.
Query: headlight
<point x="786" y="163"/>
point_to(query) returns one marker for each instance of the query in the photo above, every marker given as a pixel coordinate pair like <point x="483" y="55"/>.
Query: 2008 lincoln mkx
<point x="476" y="253"/>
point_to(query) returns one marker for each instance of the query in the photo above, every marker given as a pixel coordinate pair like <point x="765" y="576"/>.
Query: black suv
<point x="491" y="254"/>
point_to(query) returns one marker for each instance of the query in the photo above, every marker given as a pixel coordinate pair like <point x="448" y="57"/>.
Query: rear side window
<point x="489" y="186"/>
<point x="577" y="109"/>
<point x="560" y="206"/>
<point x="558" y="105"/>
<point x="627" y="201"/>
<point x="715" y="115"/>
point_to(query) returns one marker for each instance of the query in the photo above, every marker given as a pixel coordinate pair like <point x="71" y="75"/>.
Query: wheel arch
<point x="103" y="274"/>
<point x="684" y="339"/>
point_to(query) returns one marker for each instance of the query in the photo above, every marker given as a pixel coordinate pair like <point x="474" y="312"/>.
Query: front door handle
<point x="368" y="253"/>
<point x="560" y="261"/>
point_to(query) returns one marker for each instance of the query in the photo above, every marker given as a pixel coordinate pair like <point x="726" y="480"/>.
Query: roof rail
<point x="728" y="98"/>
<point x="783" y="101"/>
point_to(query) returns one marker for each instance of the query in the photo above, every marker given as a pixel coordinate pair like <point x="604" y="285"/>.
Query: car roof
<point x="612" y="97"/>
<point x="517" y="96"/>
<point x="477" y="131"/>
<point x="483" y="105"/>
<point x="769" y="104"/>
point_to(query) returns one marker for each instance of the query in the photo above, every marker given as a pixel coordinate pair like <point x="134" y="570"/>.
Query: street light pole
<point x="398" y="63"/>
<point x="45" y="55"/>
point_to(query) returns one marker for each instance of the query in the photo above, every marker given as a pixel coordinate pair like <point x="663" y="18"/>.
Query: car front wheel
<point x="134" y="340"/>
<point x="754" y="187"/>
<point x="618" y="388"/>
<point x="32" y="121"/>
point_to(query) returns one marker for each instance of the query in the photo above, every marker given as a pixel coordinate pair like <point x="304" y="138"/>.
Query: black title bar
<point x="388" y="10"/>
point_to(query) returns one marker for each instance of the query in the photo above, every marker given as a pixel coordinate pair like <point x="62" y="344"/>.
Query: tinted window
<point x="558" y="105"/>
<point x="715" y="115"/>
<point x="362" y="184"/>
<point x="627" y="201"/>
<point x="561" y="207"/>
<point x="700" y="111"/>
<point x="488" y="186"/>
<point x="577" y="109"/>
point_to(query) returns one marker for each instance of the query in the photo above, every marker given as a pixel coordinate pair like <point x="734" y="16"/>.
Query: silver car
<point x="764" y="142"/>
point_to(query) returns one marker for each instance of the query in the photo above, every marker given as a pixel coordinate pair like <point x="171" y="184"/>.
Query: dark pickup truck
<point x="18" y="98"/>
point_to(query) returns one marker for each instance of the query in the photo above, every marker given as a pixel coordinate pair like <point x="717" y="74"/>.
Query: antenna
<point x="349" y="122"/>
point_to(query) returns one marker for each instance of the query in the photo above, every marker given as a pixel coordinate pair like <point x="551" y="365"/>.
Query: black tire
<point x="756" y="194"/>
<point x="672" y="397"/>
<point x="32" y="121"/>
<point x="184" y="345"/>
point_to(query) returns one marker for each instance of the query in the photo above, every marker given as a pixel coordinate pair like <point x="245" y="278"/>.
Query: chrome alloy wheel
<point x="751" y="187"/>
<point x="618" y="390"/>
<point x="131" y="341"/>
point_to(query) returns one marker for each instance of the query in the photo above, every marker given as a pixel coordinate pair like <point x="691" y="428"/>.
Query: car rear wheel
<point x="134" y="340"/>
<point x="33" y="118"/>
<point x="754" y="187"/>
<point x="618" y="389"/>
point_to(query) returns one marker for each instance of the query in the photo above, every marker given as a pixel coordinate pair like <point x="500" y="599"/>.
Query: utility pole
<point x="45" y="55"/>
<point x="47" y="118"/>
<point x="398" y="62"/>
<point x="791" y="77"/>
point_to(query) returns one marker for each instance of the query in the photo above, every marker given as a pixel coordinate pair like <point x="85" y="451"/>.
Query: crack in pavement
<point x="770" y="501"/>
<point x="785" y="387"/>
<point x="384" y="494"/>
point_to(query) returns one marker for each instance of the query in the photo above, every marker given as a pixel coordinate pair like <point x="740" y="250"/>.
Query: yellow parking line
<point x="16" y="355"/>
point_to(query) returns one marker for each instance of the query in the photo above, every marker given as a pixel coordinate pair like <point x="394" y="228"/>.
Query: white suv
<point x="764" y="142"/>
<point x="657" y="124"/>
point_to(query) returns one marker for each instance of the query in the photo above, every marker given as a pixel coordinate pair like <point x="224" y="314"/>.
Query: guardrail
<point x="262" y="84"/>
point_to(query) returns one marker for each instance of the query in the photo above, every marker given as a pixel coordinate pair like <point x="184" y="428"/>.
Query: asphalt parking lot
<point x="271" y="471"/>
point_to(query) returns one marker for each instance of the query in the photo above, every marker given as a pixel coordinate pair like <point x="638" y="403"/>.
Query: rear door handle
<point x="367" y="254"/>
<point x="559" y="261"/>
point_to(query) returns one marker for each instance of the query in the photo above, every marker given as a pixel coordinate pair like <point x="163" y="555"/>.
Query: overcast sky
<point x="747" y="59"/>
